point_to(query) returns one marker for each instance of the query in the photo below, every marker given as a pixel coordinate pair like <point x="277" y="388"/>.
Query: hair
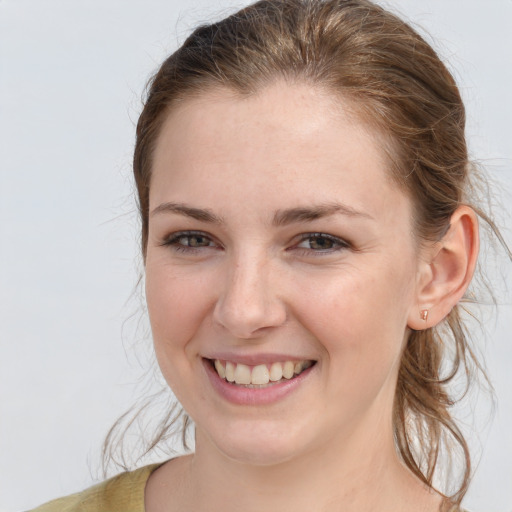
<point x="395" y="82"/>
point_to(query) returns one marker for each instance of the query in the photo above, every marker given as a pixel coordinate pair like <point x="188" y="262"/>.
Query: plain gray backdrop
<point x="71" y="77"/>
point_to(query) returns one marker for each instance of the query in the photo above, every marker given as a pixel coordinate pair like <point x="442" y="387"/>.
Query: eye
<point x="320" y="243"/>
<point x="189" y="241"/>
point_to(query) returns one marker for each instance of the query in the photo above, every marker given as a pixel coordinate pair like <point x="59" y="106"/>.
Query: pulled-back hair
<point x="397" y="84"/>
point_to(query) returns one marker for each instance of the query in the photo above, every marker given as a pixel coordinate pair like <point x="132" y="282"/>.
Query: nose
<point x="249" y="304"/>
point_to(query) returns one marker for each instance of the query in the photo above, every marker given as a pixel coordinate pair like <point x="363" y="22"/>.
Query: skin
<point x="254" y="286"/>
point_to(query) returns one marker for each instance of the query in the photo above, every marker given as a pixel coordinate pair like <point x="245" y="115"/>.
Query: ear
<point x="446" y="271"/>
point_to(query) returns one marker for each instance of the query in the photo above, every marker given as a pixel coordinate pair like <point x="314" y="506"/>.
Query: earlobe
<point x="444" y="279"/>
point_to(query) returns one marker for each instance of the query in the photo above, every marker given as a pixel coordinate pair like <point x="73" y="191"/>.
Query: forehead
<point x="292" y="141"/>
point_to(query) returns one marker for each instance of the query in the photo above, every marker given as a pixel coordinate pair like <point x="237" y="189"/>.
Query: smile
<point x="260" y="375"/>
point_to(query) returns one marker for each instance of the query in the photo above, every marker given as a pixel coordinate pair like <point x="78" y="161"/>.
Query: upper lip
<point x="255" y="359"/>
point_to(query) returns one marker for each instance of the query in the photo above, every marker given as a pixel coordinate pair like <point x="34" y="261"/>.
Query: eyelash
<point x="173" y="241"/>
<point x="338" y="244"/>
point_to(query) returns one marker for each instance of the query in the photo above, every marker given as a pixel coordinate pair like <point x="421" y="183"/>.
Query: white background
<point x="71" y="77"/>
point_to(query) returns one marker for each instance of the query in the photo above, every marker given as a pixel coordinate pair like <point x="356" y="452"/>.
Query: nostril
<point x="250" y="320"/>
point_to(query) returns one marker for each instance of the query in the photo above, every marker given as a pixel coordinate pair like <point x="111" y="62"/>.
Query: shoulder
<point x="454" y="508"/>
<point x="123" y="493"/>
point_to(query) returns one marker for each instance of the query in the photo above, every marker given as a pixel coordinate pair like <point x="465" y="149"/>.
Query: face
<point x="280" y="272"/>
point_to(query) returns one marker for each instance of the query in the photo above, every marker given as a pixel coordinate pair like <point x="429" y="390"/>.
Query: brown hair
<point x="359" y="51"/>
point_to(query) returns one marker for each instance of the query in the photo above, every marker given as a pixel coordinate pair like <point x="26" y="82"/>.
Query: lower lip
<point x="241" y="395"/>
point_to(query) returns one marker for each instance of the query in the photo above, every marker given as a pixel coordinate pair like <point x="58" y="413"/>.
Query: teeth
<point x="220" y="369"/>
<point x="242" y="374"/>
<point x="261" y="374"/>
<point x="230" y="372"/>
<point x="276" y="372"/>
<point x="288" y="370"/>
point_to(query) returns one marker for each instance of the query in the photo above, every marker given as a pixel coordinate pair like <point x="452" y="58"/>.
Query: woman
<point x="308" y="234"/>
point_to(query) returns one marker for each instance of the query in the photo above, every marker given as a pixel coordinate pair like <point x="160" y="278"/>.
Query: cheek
<point x="358" y="315"/>
<point x="360" y="323"/>
<point x="177" y="306"/>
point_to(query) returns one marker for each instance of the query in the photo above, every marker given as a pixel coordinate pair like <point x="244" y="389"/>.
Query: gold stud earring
<point x="424" y="314"/>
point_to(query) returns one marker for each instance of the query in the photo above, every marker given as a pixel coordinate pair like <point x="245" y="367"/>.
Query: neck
<point x="354" y="476"/>
<point x="356" y="471"/>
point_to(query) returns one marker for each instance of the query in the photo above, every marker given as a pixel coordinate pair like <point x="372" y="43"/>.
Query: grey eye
<point x="194" y="240"/>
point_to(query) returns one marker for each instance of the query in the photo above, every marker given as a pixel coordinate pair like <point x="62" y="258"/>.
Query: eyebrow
<point x="281" y="217"/>
<point x="202" y="214"/>
<point x="311" y="213"/>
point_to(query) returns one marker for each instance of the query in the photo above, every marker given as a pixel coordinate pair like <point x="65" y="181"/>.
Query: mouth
<point x="261" y="375"/>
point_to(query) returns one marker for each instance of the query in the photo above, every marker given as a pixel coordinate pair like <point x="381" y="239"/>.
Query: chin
<point x="255" y="455"/>
<point x="257" y="444"/>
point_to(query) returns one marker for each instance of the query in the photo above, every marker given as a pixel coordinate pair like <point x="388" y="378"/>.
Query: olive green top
<point x="123" y="493"/>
